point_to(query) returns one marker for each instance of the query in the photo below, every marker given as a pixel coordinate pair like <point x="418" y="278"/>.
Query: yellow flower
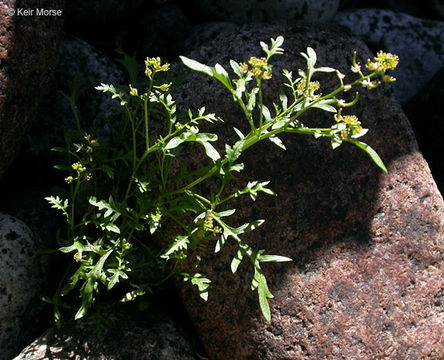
<point x="386" y="61"/>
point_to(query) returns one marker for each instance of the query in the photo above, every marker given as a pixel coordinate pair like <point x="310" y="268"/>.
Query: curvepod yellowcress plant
<point x="134" y="190"/>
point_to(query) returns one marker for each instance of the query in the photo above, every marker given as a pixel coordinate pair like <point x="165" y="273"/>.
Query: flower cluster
<point x="207" y="225"/>
<point x="260" y="68"/>
<point x="353" y="125"/>
<point x="383" y="62"/>
<point x="153" y="65"/>
<point x="312" y="87"/>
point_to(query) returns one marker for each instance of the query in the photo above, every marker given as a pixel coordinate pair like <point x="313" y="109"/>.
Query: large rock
<point x="151" y="335"/>
<point x="99" y="13"/>
<point x="22" y="283"/>
<point x="253" y="11"/>
<point x="161" y="31"/>
<point x="28" y="48"/>
<point x="86" y="67"/>
<point x="425" y="114"/>
<point x="368" y="273"/>
<point x="391" y="31"/>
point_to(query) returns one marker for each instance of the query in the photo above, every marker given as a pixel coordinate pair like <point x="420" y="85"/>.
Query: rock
<point x="161" y="31"/>
<point x="368" y="274"/>
<point x="425" y="114"/>
<point x="28" y="46"/>
<point x="385" y="29"/>
<point x="433" y="9"/>
<point x="129" y="335"/>
<point x="28" y="204"/>
<point x="22" y="283"/>
<point x="204" y="34"/>
<point x="253" y="11"/>
<point x="109" y="13"/>
<point x="88" y="68"/>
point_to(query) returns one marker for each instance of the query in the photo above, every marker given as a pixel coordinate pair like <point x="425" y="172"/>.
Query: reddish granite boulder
<point x="28" y="48"/>
<point x="367" y="278"/>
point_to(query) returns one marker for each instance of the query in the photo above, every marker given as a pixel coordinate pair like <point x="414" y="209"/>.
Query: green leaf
<point x="325" y="105"/>
<point x="284" y="100"/>
<point x="236" y="68"/>
<point x="275" y="140"/>
<point x="325" y="69"/>
<point x="266" y="114"/>
<point x="233" y="153"/>
<point x="264" y="294"/>
<point x="201" y="282"/>
<point x="312" y="56"/>
<point x="113" y="228"/>
<point x="197" y="66"/>
<point x="252" y="99"/>
<point x="221" y="74"/>
<point x="370" y="152"/>
<point x="273" y="258"/>
<point x="225" y="213"/>
<point x="180" y="243"/>
<point x="236" y="260"/>
<point x="210" y="151"/>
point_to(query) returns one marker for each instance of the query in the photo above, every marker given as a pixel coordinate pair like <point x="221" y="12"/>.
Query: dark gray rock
<point x="427" y="8"/>
<point x="150" y="335"/>
<point x="162" y="31"/>
<point x="425" y="114"/>
<point x="368" y="272"/>
<point x="28" y="49"/>
<point x="87" y="67"/>
<point x="22" y="283"/>
<point x="99" y="13"/>
<point x="204" y="34"/>
<point x="385" y="29"/>
<point x="253" y="11"/>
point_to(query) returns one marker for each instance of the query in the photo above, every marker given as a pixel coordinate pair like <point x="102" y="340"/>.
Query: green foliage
<point x="129" y="192"/>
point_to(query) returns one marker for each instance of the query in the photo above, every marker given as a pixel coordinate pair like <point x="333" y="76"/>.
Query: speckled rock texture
<point x="162" y="31"/>
<point x="99" y="13"/>
<point x="253" y="11"/>
<point x="390" y="31"/>
<point x="87" y="67"/>
<point x="425" y="114"/>
<point x="22" y="282"/>
<point x="28" y="49"/>
<point x="367" y="276"/>
<point x="151" y="335"/>
<point x="426" y="7"/>
<point x="205" y="33"/>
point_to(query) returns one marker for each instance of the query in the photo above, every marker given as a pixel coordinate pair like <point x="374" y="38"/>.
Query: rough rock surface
<point x="203" y="34"/>
<point x="99" y="13"/>
<point x="161" y="31"/>
<point x="129" y="335"/>
<point x="425" y="114"/>
<point x="367" y="279"/>
<point x="22" y="282"/>
<point x="253" y="11"/>
<point x="86" y="67"/>
<point x="390" y="31"/>
<point x="426" y="8"/>
<point x="28" y="48"/>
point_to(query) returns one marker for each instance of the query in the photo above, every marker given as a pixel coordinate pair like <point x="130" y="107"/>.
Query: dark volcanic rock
<point x="151" y="335"/>
<point x="254" y="11"/>
<point x="425" y="114"/>
<point x="99" y="13"/>
<point x="28" y="48"/>
<point x="367" y="277"/>
<point x="86" y="67"/>
<point x="22" y="283"/>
